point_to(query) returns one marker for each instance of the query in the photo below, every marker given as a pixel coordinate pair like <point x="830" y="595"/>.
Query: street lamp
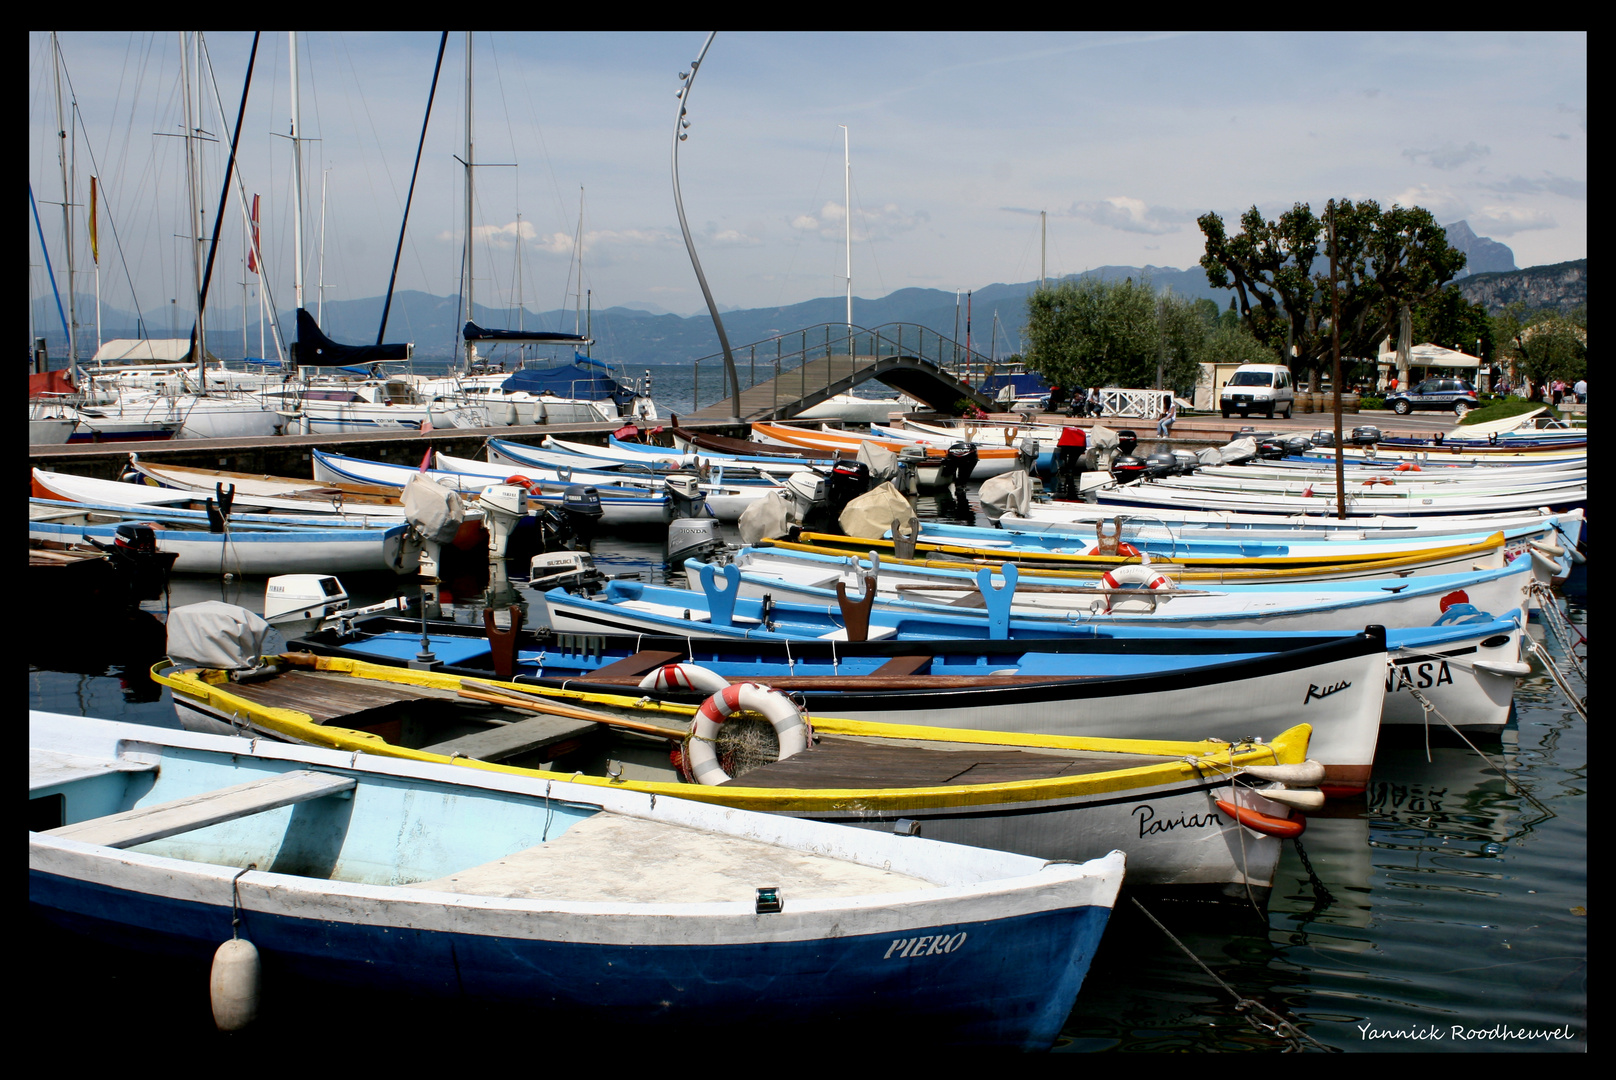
<point x="688" y="78"/>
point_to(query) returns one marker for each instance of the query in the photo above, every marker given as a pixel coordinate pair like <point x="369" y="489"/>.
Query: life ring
<point x="1133" y="574"/>
<point x="1409" y="466"/>
<point x="684" y="677"/>
<point x="1267" y="824"/>
<point x="1123" y="550"/>
<point x="700" y="759"/>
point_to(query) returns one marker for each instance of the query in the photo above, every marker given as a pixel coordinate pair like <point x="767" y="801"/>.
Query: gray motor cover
<point x="214" y="634"/>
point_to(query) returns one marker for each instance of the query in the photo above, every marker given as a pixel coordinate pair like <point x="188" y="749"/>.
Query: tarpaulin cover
<point x="434" y="510"/>
<point x="871" y="515"/>
<point x="214" y="634"/>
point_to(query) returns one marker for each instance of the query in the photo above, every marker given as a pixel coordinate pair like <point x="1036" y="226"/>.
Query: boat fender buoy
<point x="684" y="677"/>
<point x="1409" y="466"/>
<point x="789" y="722"/>
<point x="1295" y="798"/>
<point x="1133" y="575"/>
<point x="1306" y="774"/>
<point x="1267" y="824"/>
<point x="1553" y="551"/>
<point x="233" y="984"/>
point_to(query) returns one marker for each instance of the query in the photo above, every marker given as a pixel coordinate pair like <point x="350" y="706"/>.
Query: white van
<point x="1264" y="388"/>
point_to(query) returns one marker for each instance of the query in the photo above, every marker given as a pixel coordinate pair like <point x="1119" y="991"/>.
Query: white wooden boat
<point x="584" y="903"/>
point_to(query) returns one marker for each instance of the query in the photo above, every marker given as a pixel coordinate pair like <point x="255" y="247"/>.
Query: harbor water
<point x="1446" y="910"/>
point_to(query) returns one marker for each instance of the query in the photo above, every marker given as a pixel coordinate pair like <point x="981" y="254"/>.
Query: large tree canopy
<point x="1280" y="273"/>
<point x="1545" y="344"/>
<point x="1116" y="333"/>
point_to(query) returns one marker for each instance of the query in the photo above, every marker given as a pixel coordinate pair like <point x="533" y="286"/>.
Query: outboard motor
<point x="693" y="531"/>
<point x="1127" y="442"/>
<point x="1323" y="438"/>
<point x="907" y="481"/>
<point x="133" y="553"/>
<point x="1159" y="465"/>
<point x="1298" y="444"/>
<point x="1027" y="455"/>
<point x="504" y="507"/>
<point x="965" y="458"/>
<point x="1367" y="435"/>
<point x="1126" y="469"/>
<point x="847" y="481"/>
<point x="580" y="508"/>
<point x="1271" y="448"/>
<point x="810" y="502"/>
<point x="1186" y="462"/>
<point x="1070" y="461"/>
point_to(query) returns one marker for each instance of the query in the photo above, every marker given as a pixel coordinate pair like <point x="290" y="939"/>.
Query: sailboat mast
<point x="1043" y="248"/>
<point x="319" y="301"/>
<point x="67" y="207"/>
<point x="578" y="245"/>
<point x="193" y="119"/>
<point x="847" y="214"/>
<point x="470" y="347"/>
<point x="297" y="184"/>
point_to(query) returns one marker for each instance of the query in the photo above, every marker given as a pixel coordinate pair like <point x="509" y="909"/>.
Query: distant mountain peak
<point x="1483" y="255"/>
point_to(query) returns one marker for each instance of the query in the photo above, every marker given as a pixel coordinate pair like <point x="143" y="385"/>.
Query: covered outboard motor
<point x="1126" y="469"/>
<point x="693" y="531"/>
<point x="580" y="507"/>
<point x="1323" y="438"/>
<point x="1159" y="465"/>
<point x="965" y="457"/>
<point x="1368" y="435"/>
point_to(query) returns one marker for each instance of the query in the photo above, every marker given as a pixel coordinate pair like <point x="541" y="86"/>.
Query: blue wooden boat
<point x="582" y="902"/>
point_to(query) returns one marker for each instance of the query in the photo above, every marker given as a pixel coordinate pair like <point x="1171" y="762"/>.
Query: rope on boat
<point x="1430" y="707"/>
<point x="1580" y="705"/>
<point x="1280" y="1026"/>
<point x="1559" y="624"/>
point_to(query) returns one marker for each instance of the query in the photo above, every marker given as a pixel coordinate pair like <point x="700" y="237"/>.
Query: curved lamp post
<point x="679" y="135"/>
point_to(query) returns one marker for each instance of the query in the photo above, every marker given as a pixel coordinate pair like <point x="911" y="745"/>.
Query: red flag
<point x="252" y="252"/>
<point x="426" y="459"/>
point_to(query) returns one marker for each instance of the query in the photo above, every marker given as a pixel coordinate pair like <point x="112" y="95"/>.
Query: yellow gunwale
<point x="1194" y="759"/>
<point x="1095" y="566"/>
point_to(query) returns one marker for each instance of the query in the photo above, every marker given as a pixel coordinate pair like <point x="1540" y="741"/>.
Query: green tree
<point x="1544" y="344"/>
<point x="1446" y="318"/>
<point x="1280" y="273"/>
<point x="1110" y="333"/>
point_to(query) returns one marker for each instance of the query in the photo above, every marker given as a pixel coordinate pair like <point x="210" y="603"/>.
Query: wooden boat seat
<point x="514" y="740"/>
<point x="146" y="823"/>
<point x="901" y="665"/>
<point x="641" y="663"/>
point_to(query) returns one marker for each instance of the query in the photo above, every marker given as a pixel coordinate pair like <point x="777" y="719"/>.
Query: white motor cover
<point x="871" y="514"/>
<point x="883" y="463"/>
<point x="1006" y="492"/>
<point x="434" y="510"/>
<point x="1239" y="450"/>
<point x="1210" y="455"/>
<point x="767" y="519"/>
<point x="214" y="634"/>
<point x="1102" y="448"/>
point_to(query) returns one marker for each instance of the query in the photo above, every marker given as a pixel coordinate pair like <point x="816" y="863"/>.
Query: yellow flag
<point x="95" y="251"/>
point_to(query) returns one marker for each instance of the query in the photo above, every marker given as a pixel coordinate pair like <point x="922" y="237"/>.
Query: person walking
<point x="1581" y="390"/>
<point x="1169" y="415"/>
<point x="1559" y="390"/>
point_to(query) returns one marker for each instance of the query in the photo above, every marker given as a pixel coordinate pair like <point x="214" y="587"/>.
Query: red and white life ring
<point x="1267" y="824"/>
<point x="684" y="677"/>
<point x="700" y="759"/>
<point x="1133" y="574"/>
<point x="1123" y="550"/>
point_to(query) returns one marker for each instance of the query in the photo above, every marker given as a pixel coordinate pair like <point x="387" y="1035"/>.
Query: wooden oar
<point x="572" y="712"/>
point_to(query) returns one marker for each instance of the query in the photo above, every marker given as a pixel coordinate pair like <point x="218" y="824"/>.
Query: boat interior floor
<point x="612" y="857"/>
<point x="854" y="763"/>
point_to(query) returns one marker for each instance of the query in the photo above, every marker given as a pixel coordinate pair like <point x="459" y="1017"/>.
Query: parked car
<point x="1438" y="393"/>
<point x="1264" y="388"/>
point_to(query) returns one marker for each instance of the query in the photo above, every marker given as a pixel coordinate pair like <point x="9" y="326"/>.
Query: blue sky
<point x="957" y="142"/>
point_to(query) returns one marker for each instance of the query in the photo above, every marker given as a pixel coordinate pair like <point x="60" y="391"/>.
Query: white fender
<point x="1308" y="799"/>
<point x="1133" y="574"/>
<point x="789" y="723"/>
<point x="1553" y="551"/>
<point x="1308" y="774"/>
<point x="684" y="677"/>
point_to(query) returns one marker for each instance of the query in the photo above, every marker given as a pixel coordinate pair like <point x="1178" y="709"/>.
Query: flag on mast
<point x="252" y="252"/>
<point x="95" y="249"/>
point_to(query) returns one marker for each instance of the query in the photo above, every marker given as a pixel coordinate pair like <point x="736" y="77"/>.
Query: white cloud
<point x="878" y="223"/>
<point x="1442" y="203"/>
<point x="1449" y="156"/>
<point x="1130" y="215"/>
<point x="1508" y="220"/>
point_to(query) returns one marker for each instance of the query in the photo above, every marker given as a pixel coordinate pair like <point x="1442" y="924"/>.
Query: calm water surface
<point x="1442" y="912"/>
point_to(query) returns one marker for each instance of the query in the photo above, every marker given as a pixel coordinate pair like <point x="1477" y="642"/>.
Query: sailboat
<point x="579" y="390"/>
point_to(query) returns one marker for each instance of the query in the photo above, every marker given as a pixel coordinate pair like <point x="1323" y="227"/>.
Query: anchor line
<point x="1430" y="707"/>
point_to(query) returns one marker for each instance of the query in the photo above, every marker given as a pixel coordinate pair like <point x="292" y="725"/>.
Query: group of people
<point x="1081" y="402"/>
<point x="1554" y="391"/>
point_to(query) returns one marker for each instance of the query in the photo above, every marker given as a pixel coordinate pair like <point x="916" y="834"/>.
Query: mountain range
<point x="636" y="337"/>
